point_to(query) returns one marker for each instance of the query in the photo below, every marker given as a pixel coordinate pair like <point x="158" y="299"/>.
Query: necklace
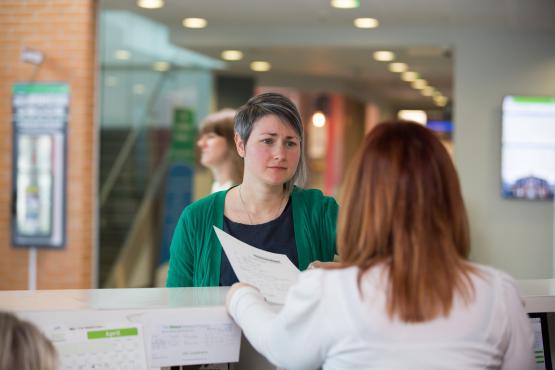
<point x="247" y="211"/>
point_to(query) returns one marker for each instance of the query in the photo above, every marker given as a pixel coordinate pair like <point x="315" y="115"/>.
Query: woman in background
<point x="23" y="346"/>
<point x="267" y="210"/>
<point x="405" y="295"/>
<point x="217" y="150"/>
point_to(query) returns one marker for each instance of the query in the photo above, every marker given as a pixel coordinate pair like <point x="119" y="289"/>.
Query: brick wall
<point x="64" y="30"/>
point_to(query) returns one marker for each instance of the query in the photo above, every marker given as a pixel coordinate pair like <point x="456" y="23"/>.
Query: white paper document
<point x="272" y="273"/>
<point x="203" y="335"/>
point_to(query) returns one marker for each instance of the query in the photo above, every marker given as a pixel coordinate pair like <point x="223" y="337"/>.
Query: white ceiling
<point x="308" y="41"/>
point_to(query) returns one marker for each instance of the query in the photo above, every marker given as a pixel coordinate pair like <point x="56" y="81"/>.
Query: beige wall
<point x="65" y="32"/>
<point x="516" y="236"/>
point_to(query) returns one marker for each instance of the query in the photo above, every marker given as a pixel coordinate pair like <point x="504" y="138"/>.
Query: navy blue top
<point x="277" y="236"/>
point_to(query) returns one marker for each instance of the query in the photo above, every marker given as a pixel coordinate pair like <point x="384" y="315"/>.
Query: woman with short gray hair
<point x="268" y="210"/>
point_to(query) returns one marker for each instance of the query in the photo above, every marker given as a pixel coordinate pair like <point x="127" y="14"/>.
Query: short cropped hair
<point x="281" y="106"/>
<point x="23" y="346"/>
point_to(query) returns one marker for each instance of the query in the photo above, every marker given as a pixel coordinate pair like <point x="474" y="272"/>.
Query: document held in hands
<point x="271" y="273"/>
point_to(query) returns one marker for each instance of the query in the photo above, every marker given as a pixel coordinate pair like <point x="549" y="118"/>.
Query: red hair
<point x="403" y="206"/>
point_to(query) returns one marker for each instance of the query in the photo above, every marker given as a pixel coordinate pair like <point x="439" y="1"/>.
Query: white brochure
<point x="201" y="335"/>
<point x="271" y="273"/>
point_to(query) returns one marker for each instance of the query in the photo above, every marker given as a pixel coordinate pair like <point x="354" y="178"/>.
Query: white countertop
<point x="538" y="294"/>
<point x="111" y="299"/>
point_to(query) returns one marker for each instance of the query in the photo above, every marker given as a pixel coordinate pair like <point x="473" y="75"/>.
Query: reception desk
<point x="188" y="325"/>
<point x="177" y="326"/>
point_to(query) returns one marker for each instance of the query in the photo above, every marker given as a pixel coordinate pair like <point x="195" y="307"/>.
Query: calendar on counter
<point x="106" y="347"/>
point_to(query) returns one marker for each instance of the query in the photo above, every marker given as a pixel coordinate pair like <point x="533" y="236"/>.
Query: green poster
<point x="184" y="134"/>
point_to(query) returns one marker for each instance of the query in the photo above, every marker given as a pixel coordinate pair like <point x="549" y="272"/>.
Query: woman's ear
<point x="239" y="145"/>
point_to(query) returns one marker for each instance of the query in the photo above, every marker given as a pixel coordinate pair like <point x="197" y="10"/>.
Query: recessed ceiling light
<point x="161" y="66"/>
<point x="440" y="100"/>
<point x="194" y="22"/>
<point x="414" y="115"/>
<point x="409" y="76"/>
<point x="122" y="54"/>
<point x="419" y="84"/>
<point x="427" y="91"/>
<point x="150" y="4"/>
<point x="232" y="55"/>
<point x="345" y="4"/>
<point x="384" y="56"/>
<point x="366" y="23"/>
<point x="397" y="67"/>
<point x="260" y="66"/>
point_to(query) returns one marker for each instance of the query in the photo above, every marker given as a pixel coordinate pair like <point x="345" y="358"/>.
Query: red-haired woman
<point x="405" y="295"/>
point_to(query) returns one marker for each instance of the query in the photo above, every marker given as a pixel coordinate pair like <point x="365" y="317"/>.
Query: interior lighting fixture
<point x="150" y="4"/>
<point x="345" y="4"/>
<point x="260" y="66"/>
<point x="161" y="66"/>
<point x="232" y="55"/>
<point x="419" y="84"/>
<point x="414" y="115"/>
<point x="122" y="54"/>
<point x="384" y="56"/>
<point x="409" y="76"/>
<point x="398" y="67"/>
<point x="427" y="91"/>
<point x="440" y="101"/>
<point x="194" y="22"/>
<point x="318" y="119"/>
<point x="366" y="23"/>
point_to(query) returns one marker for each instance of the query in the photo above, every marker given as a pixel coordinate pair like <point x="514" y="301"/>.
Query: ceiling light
<point x="150" y="4"/>
<point x="232" y="55"/>
<point x="194" y="22"/>
<point x="366" y="23"/>
<point x="260" y="66"/>
<point x="440" y="100"/>
<point x="384" y="56"/>
<point x="419" y="84"/>
<point x="122" y="54"/>
<point x="318" y="119"/>
<point x="139" y="89"/>
<point x="413" y="115"/>
<point x="161" y="66"/>
<point x="409" y="76"/>
<point x="345" y="4"/>
<point x="427" y="91"/>
<point x="398" y="67"/>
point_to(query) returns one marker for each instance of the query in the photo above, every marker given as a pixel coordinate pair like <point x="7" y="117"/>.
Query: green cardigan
<point x="195" y="250"/>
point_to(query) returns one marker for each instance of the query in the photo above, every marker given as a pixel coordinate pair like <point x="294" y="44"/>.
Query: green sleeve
<point x="180" y="273"/>
<point x="329" y="227"/>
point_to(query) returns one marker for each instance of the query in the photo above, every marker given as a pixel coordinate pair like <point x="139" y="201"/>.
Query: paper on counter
<point x="202" y="335"/>
<point x="272" y="273"/>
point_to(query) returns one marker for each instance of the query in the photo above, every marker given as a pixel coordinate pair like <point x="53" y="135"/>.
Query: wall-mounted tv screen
<point x="528" y="147"/>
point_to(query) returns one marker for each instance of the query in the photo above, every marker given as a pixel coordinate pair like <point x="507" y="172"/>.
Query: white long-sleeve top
<point x="327" y="323"/>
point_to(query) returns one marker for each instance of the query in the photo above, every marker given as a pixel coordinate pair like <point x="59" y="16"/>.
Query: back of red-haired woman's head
<point x="403" y="206"/>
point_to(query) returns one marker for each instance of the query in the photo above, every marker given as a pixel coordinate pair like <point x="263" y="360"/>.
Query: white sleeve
<point x="519" y="353"/>
<point x="292" y="338"/>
